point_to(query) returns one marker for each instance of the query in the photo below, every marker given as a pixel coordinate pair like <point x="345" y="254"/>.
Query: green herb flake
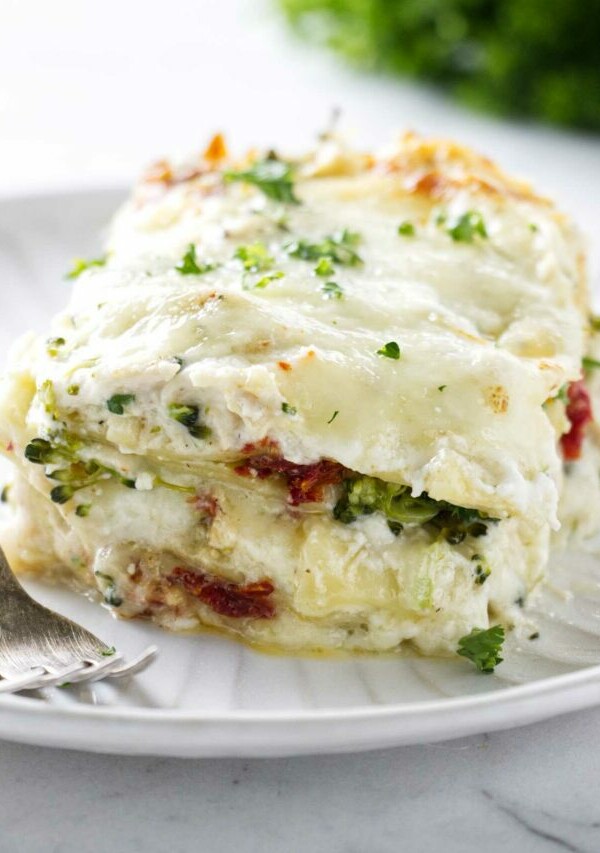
<point x="255" y="257"/>
<point x="331" y="290"/>
<point x="73" y="390"/>
<point x="595" y="322"/>
<point x="442" y="387"/>
<point x="266" y="280"/>
<point x="83" y="510"/>
<point x="53" y="345"/>
<point x="189" y="264"/>
<point x="324" y="268"/>
<point x="110" y="597"/>
<point x="81" y="265"/>
<point x="4" y="495"/>
<point x="469" y="226"/>
<point x="116" y="404"/>
<point x="189" y="417"/>
<point x="482" y="570"/>
<point x="289" y="410"/>
<point x="272" y="176"/>
<point x="533" y="227"/>
<point x="333" y="417"/>
<point x="339" y="248"/>
<point x="406" y="229"/>
<point x="590" y="363"/>
<point x="482" y="647"/>
<point x="109" y="652"/>
<point x="186" y="415"/>
<point x="390" y="350"/>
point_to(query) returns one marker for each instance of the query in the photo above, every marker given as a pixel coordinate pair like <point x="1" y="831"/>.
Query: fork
<point x="40" y="648"/>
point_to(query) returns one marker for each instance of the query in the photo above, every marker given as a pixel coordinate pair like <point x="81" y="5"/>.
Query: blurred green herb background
<point x="538" y="58"/>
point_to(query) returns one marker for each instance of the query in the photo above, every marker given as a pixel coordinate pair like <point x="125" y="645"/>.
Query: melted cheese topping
<point x="488" y="330"/>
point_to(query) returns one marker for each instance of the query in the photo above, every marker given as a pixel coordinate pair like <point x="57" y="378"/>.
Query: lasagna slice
<point x="322" y="403"/>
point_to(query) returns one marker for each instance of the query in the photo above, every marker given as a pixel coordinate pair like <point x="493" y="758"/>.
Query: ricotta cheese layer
<point x="320" y="402"/>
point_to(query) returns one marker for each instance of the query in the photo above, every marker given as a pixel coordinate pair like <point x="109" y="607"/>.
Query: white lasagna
<point x="332" y="402"/>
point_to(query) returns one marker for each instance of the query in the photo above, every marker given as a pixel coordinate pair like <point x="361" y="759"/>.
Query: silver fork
<point x="39" y="648"/>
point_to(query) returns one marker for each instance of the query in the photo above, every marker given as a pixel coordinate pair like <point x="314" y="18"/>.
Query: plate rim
<point x="518" y="693"/>
<point x="270" y="734"/>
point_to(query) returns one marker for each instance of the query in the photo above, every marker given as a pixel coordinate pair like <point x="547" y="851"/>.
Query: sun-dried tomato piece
<point x="249" y="601"/>
<point x="305" y="482"/>
<point x="579" y="413"/>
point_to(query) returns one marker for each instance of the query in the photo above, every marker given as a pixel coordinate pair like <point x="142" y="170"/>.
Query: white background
<point x="91" y="90"/>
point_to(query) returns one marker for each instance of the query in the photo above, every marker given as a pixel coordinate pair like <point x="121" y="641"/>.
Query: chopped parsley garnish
<point x="108" y="653"/>
<point x="390" y="350"/>
<point x="533" y="227"/>
<point x="563" y="394"/>
<point x="189" y="264"/>
<point x="110" y="596"/>
<point x="482" y="647"/>
<point x="595" y="322"/>
<point x="73" y="390"/>
<point x="365" y="495"/>
<point x="406" y="229"/>
<point x="534" y="636"/>
<point x="255" y="257"/>
<point x="267" y="279"/>
<point x="442" y="387"/>
<point x="331" y="290"/>
<point x="272" y="176"/>
<point x="467" y="227"/>
<point x="482" y="570"/>
<point x="53" y="345"/>
<point x="339" y="248"/>
<point x="333" y="417"/>
<point x="4" y="494"/>
<point x="189" y="417"/>
<point x="289" y="410"/>
<point x="80" y="265"/>
<point x="116" y="404"/>
<point x="83" y="510"/>
<point x="324" y="268"/>
<point x="590" y="363"/>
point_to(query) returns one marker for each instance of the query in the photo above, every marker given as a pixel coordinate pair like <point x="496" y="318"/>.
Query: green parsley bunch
<point x="522" y="57"/>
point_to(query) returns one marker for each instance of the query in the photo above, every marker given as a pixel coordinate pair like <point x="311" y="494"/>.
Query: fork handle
<point x="8" y="581"/>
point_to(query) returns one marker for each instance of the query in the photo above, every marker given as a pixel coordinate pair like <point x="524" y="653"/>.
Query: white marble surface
<point x="531" y="790"/>
<point x="88" y="92"/>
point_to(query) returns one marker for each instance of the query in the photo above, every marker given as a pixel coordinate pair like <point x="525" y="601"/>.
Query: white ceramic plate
<point x="207" y="696"/>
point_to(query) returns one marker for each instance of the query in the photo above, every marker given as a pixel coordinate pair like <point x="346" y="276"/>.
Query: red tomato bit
<point x="579" y="413"/>
<point x="249" y="601"/>
<point x="305" y="482"/>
